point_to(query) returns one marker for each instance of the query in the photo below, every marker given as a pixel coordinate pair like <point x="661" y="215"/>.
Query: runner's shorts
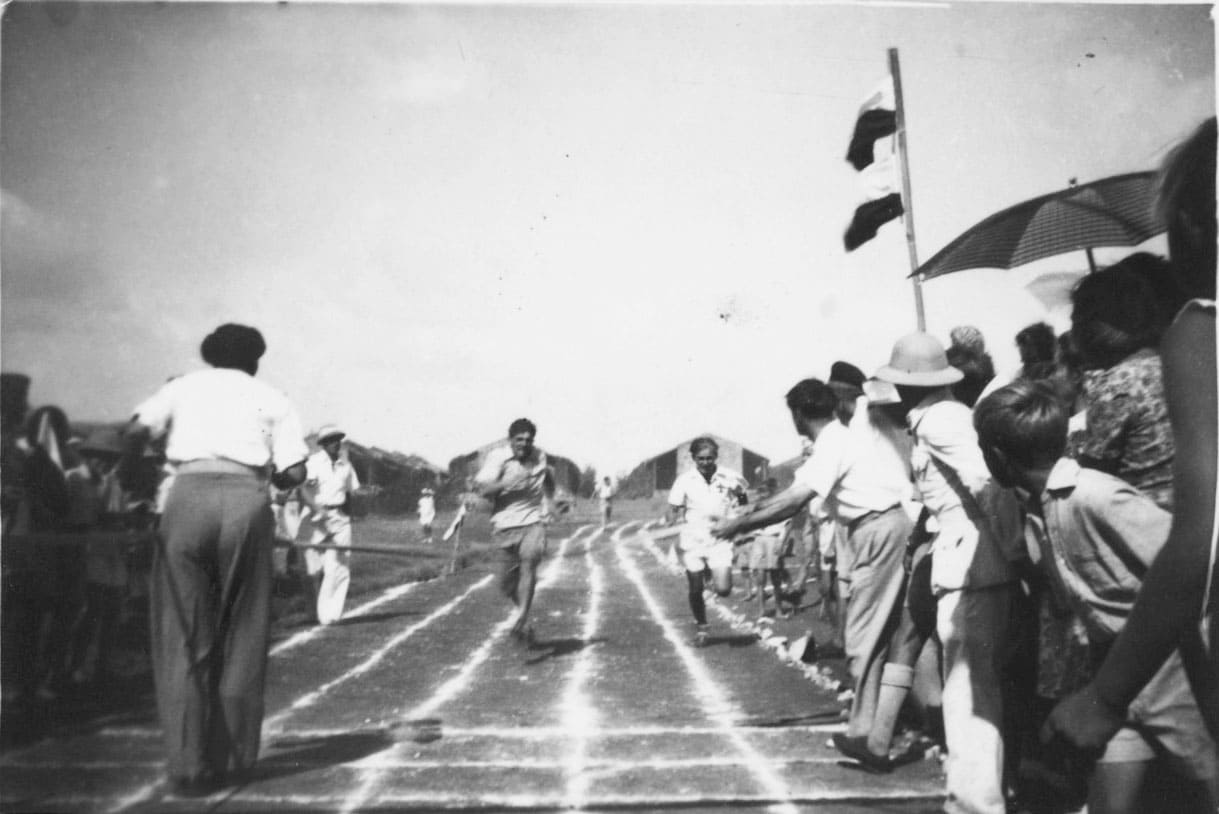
<point x="697" y="550"/>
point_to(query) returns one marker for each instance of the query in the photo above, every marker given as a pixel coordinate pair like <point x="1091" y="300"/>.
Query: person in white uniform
<point x="328" y="487"/>
<point x="427" y="512"/>
<point x="701" y="497"/>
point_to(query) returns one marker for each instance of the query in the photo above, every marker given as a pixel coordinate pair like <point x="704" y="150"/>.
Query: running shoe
<point x="702" y="638"/>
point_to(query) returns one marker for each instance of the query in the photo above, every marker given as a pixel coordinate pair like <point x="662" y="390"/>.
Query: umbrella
<point x="1114" y="211"/>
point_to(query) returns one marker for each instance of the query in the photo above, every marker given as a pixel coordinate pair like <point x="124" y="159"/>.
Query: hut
<point x="657" y="473"/>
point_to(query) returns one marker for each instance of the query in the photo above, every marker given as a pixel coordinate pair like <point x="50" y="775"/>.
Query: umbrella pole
<point x="907" y="200"/>
<point x="1091" y="261"/>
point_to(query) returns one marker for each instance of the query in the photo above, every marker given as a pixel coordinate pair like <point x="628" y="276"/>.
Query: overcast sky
<point x="623" y="221"/>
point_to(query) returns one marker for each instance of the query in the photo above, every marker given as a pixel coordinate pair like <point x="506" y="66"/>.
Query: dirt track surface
<point x="420" y="701"/>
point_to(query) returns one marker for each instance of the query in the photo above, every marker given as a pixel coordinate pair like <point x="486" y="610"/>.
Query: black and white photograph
<point x="608" y="406"/>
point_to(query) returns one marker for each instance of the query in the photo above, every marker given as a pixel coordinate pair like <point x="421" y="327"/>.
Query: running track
<point x="420" y="701"/>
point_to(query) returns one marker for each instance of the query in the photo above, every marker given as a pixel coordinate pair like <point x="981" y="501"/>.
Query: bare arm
<point x="288" y="478"/>
<point x="675" y="515"/>
<point x="490" y="484"/>
<point x="779" y="507"/>
<point x="1170" y="600"/>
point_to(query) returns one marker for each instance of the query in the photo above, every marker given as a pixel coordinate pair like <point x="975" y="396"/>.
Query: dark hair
<point x="1114" y="313"/>
<point x="522" y="425"/>
<point x="811" y="399"/>
<point x="846" y="373"/>
<point x="1035" y="343"/>
<point x="1024" y="420"/>
<point x="978" y="370"/>
<point x="1187" y="205"/>
<point x="238" y="347"/>
<point x="704" y="441"/>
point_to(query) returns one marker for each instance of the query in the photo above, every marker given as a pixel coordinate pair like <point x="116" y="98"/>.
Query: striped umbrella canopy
<point x="1114" y="211"/>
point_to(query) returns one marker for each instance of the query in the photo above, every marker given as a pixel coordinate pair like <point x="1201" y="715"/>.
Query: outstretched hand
<point x="726" y="529"/>
<point x="1084" y="721"/>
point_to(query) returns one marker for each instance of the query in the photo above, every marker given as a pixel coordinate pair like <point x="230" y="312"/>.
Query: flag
<point x="871" y="154"/>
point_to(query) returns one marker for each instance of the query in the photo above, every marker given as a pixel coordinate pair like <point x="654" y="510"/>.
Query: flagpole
<point x="907" y="199"/>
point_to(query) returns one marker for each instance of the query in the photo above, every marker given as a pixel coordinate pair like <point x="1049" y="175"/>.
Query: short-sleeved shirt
<point x="945" y="442"/>
<point x="225" y="414"/>
<point x="707" y="502"/>
<point x="331" y="481"/>
<point x="1102" y="535"/>
<point x="517" y="507"/>
<point x="1128" y="430"/>
<point x="859" y="469"/>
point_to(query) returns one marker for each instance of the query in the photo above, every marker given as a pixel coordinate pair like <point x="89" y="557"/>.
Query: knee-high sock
<point x="895" y="683"/>
<point x="694" y="581"/>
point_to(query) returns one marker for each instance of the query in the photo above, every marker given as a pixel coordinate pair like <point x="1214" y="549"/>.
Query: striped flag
<point x="871" y="154"/>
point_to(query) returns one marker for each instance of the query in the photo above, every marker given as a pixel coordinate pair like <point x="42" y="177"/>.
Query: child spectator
<point x="1098" y="536"/>
<point x="764" y="558"/>
<point x="1179" y="607"/>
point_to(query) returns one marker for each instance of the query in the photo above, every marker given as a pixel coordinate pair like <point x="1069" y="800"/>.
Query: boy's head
<point x="1022" y="429"/>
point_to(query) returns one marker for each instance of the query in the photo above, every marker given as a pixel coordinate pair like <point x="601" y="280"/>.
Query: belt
<point x="219" y="466"/>
<point x="861" y="521"/>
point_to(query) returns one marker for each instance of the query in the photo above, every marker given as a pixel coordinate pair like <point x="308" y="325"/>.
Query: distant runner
<point x="519" y="482"/>
<point x="427" y="513"/>
<point x="604" y="492"/>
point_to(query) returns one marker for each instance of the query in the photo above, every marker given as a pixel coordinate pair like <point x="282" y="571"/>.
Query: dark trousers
<point x="210" y="615"/>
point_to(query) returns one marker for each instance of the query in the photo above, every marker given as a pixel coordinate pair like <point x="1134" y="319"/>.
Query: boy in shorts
<point x="1100" y="536"/>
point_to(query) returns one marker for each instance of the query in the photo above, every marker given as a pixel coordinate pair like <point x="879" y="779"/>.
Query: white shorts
<point x="698" y="550"/>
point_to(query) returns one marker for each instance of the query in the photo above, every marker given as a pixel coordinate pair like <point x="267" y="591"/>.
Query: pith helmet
<point x="330" y="431"/>
<point x="918" y="359"/>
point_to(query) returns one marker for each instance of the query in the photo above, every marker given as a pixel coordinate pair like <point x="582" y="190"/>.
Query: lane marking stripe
<point x="372" y="774"/>
<point x="579" y="715"/>
<point x="534" y="733"/>
<point x="719" y="710"/>
<point x="272" y="724"/>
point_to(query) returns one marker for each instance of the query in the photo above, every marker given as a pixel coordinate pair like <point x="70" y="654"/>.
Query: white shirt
<point x="943" y="429"/>
<point x="604" y="491"/>
<point x="858" y="469"/>
<point x="427" y="510"/>
<point x="707" y="503"/>
<point x="519" y="507"/>
<point x="331" y="481"/>
<point x="220" y="413"/>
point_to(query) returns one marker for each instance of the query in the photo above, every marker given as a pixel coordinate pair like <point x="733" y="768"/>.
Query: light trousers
<point x="972" y="626"/>
<point x="210" y="606"/>
<point x="333" y="528"/>
<point x="875" y="553"/>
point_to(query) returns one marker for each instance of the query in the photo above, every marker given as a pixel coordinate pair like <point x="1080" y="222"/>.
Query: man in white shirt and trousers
<point x="328" y="486"/>
<point x="210" y="599"/>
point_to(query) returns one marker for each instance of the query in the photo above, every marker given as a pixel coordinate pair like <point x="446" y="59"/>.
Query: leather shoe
<point x="857" y="749"/>
<point x="200" y="786"/>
